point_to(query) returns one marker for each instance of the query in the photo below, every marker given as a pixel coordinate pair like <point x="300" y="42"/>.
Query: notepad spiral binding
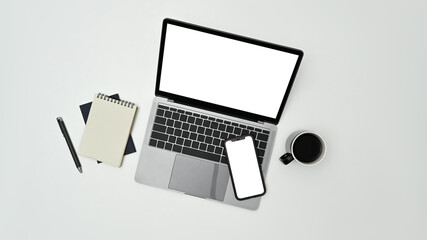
<point x="121" y="102"/>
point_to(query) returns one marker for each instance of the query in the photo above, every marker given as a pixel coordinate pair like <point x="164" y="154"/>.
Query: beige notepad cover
<point x="107" y="130"/>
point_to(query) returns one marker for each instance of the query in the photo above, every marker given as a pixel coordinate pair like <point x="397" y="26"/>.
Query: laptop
<point x="212" y="86"/>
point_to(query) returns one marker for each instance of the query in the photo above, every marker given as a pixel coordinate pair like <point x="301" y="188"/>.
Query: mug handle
<point x="287" y="158"/>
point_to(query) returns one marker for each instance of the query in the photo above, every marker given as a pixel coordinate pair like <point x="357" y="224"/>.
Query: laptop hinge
<point x="170" y="100"/>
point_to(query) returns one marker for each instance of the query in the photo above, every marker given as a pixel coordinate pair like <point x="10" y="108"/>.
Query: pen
<point x="69" y="143"/>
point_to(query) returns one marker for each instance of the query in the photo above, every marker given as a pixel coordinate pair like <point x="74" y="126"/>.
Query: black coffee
<point x="307" y="148"/>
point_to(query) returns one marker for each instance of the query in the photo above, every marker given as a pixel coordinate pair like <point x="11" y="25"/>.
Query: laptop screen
<point x="225" y="71"/>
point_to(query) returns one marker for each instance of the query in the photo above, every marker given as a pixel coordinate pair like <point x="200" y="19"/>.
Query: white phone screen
<point x="244" y="168"/>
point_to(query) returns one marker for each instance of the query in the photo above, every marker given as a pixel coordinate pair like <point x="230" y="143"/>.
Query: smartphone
<point x="245" y="170"/>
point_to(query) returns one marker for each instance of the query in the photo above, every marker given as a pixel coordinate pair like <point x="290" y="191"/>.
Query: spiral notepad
<point x="107" y="129"/>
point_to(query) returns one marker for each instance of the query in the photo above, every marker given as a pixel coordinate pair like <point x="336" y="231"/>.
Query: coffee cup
<point x="305" y="147"/>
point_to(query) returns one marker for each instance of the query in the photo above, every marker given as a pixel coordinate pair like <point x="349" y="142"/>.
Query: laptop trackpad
<point x="199" y="178"/>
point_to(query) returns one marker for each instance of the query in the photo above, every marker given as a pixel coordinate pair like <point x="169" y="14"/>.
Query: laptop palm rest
<point x="199" y="178"/>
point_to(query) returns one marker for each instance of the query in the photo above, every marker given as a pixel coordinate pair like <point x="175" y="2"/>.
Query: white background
<point x="362" y="86"/>
<point x="225" y="71"/>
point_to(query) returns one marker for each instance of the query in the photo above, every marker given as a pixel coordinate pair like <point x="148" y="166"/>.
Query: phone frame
<point x="243" y="137"/>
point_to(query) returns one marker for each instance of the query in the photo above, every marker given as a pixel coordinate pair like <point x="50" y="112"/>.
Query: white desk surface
<point x="362" y="85"/>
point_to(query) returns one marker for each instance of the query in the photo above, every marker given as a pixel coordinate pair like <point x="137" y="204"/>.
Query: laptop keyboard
<point x="200" y="135"/>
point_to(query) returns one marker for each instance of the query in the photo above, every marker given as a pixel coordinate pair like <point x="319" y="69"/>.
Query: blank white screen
<point x="224" y="71"/>
<point x="244" y="168"/>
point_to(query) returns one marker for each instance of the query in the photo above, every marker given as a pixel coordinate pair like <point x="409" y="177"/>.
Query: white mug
<point x="306" y="147"/>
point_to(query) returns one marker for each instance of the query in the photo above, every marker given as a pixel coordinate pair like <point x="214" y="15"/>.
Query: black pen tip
<point x="80" y="169"/>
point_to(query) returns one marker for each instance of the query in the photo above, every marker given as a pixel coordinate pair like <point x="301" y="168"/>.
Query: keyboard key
<point x="224" y="135"/>
<point x="193" y="136"/>
<point x="177" y="132"/>
<point x="199" y="121"/>
<point x="211" y="148"/>
<point x="237" y="131"/>
<point x="258" y="130"/>
<point x="218" y="150"/>
<point x="160" y="144"/>
<point x="214" y="125"/>
<point x="266" y="132"/>
<point x="193" y="128"/>
<point x="177" y="124"/>
<point x="203" y="146"/>
<point x="183" y="118"/>
<point x="201" y="138"/>
<point x="177" y="148"/>
<point x="229" y="129"/>
<point x="204" y="116"/>
<point x="159" y="128"/>
<point x="185" y="126"/>
<point x="169" y="122"/>
<point x="173" y="109"/>
<point x="169" y="131"/>
<point x="191" y="119"/>
<point x="163" y="107"/>
<point x="168" y="114"/>
<point x="235" y="124"/>
<point x="261" y="153"/>
<point x="201" y="154"/>
<point x="153" y="142"/>
<point x="187" y="143"/>
<point x="219" y="120"/>
<point x="160" y="112"/>
<point x="188" y="113"/>
<point x="181" y="111"/>
<point x="168" y="146"/>
<point x="159" y="136"/>
<point x="245" y="132"/>
<point x="206" y="123"/>
<point x="263" y="137"/>
<point x="172" y="139"/>
<point x="216" y="142"/>
<point x="208" y="132"/>
<point x="216" y="134"/>
<point x="227" y="122"/>
<point x="201" y="130"/>
<point x="185" y="134"/>
<point x="160" y="120"/>
<point x="221" y="127"/>
<point x="242" y="126"/>
<point x="175" y="116"/>
<point x="196" y="115"/>
<point x="253" y="134"/>
<point x="208" y="140"/>
<point x="195" y="145"/>
<point x="180" y="141"/>
<point x="250" y="128"/>
<point x="262" y="145"/>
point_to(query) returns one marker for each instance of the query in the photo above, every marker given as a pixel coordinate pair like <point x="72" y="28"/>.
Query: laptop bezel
<point x="214" y="107"/>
